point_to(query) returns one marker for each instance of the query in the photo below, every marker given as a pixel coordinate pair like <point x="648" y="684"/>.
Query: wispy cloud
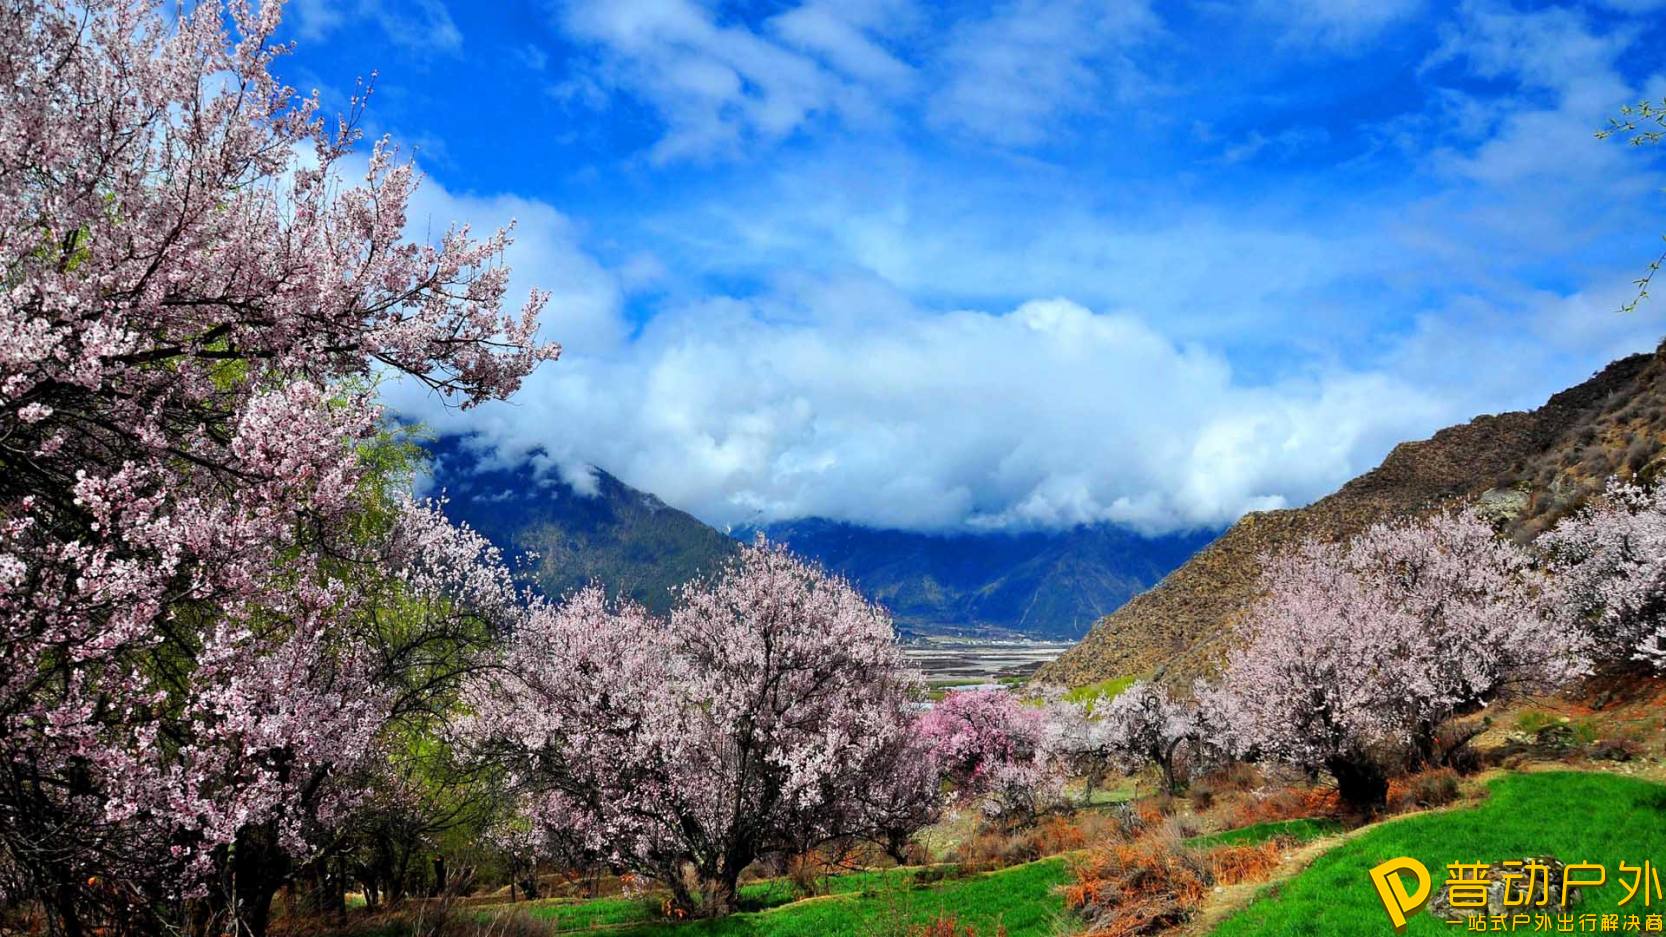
<point x="424" y="25"/>
<point x="721" y="86"/>
<point x="1013" y="75"/>
<point x="1346" y="25"/>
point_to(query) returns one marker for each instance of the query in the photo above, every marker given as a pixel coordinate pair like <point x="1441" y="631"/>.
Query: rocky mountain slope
<point x="1051" y="584"/>
<point x="1528" y="468"/>
<point x="628" y="540"/>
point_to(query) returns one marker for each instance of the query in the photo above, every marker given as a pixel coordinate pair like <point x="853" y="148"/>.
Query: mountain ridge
<point x="628" y="540"/>
<point x="1528" y="467"/>
<point x="1050" y="584"/>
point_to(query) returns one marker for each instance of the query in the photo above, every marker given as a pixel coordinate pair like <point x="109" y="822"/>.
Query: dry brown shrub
<point x="1291" y="803"/>
<point x="1233" y="776"/>
<point x="1140" y="887"/>
<point x="1246" y="863"/>
<point x="1152" y="810"/>
<point x="1202" y="795"/>
<point x="1062" y="834"/>
<point x="989" y="849"/>
<point x="993" y="847"/>
<point x="1434" y="788"/>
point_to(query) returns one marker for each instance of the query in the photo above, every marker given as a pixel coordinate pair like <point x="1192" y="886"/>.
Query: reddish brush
<point x="1289" y="804"/>
<point x="1139" y="887"/>
<point x="1233" y="865"/>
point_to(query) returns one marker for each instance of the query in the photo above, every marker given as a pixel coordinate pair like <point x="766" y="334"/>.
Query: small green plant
<point x="1531" y="721"/>
<point x="1103" y="690"/>
<point x="1585" y="731"/>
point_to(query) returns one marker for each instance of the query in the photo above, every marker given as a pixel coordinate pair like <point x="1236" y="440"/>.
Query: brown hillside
<point x="1529" y="468"/>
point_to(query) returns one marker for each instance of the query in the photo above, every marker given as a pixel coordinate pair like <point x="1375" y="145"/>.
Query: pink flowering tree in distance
<point x="1082" y="743"/>
<point x="1358" y="652"/>
<point x="1144" y="726"/>
<point x="994" y="750"/>
<point x="762" y="717"/>
<point x="196" y="305"/>
<point x="1140" y="726"/>
<point x="1611" y="560"/>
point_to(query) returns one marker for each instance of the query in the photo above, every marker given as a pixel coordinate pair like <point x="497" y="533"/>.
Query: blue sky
<point x="1022" y="264"/>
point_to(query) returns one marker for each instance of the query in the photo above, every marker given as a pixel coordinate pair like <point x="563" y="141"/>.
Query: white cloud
<point x="1340" y="25"/>
<point x="1011" y="76"/>
<point x="721" y="86"/>
<point x="1043" y="416"/>
<point x="415" y="24"/>
<point x="1008" y="76"/>
<point x="843" y="33"/>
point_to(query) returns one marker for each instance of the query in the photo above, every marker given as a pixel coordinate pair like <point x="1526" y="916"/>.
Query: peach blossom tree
<point x="197" y="300"/>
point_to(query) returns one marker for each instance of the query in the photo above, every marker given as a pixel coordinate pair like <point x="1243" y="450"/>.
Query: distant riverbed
<point x="974" y="661"/>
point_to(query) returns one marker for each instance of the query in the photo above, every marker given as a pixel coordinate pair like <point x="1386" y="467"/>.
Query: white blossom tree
<point x="1611" y="562"/>
<point x="762" y="716"/>
<point x="1360" y="649"/>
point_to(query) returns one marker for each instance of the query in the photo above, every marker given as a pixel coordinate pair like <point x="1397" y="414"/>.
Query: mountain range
<point x="1162" y="607"/>
<point x="1037" y="584"/>
<point x="1524" y="468"/>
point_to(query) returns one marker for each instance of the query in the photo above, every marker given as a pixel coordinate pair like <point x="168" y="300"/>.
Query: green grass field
<point x="569" y="914"/>
<point x="1576" y="817"/>
<point x="861" y="905"/>
<point x="1301" y="831"/>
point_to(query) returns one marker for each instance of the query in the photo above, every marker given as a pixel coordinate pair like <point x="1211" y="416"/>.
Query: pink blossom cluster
<point x="194" y="305"/>
<point x="768" y="713"/>
<point x="1611" y="562"/>
<point x="1366" y="647"/>
<point x="994" y="750"/>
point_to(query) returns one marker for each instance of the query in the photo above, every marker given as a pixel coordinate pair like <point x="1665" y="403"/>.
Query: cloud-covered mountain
<point x="606" y="532"/>
<point x="1528" y="467"/>
<point x="1051" y="584"/>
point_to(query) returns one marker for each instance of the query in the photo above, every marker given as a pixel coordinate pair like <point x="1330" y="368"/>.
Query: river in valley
<point x="972" y="661"/>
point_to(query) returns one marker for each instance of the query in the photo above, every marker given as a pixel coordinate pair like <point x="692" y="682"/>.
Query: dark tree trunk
<point x="438" y="887"/>
<point x="338" y="893"/>
<point x="68" y="915"/>
<point x="259" y="867"/>
<point x="1166" y="760"/>
<point x="1360" y="783"/>
<point x="896" y="846"/>
<point x="682" y="900"/>
<point x="722" y="893"/>
<point x="1423" y="746"/>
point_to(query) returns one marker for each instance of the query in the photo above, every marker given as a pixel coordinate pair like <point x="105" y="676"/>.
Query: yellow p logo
<point x="1391" y="888"/>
